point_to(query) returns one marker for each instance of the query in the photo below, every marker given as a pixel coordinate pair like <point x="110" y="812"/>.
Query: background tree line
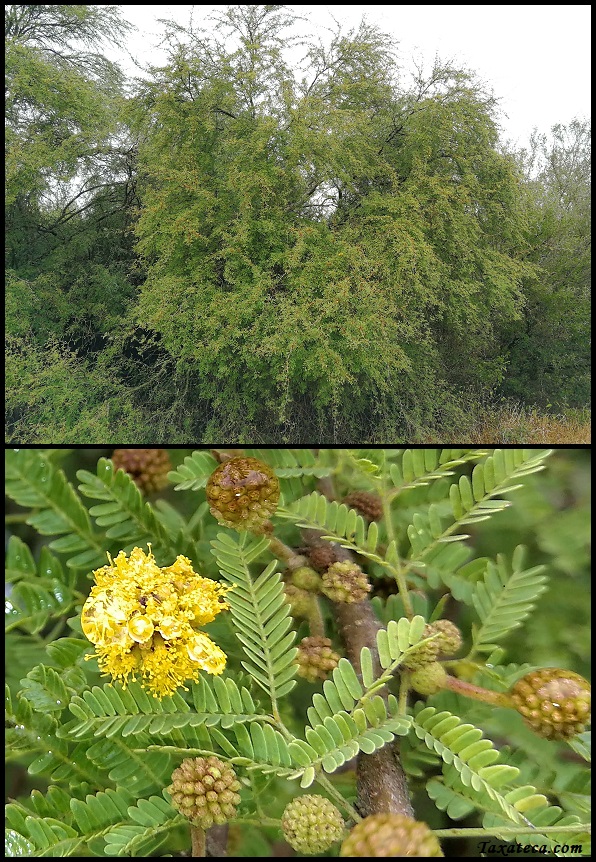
<point x="234" y="248"/>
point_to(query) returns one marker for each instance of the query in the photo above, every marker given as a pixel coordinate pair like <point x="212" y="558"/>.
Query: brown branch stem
<point x="287" y="554"/>
<point x="316" y="623"/>
<point x="460" y="686"/>
<point x="381" y="781"/>
<point x="380" y="778"/>
<point x="197" y="837"/>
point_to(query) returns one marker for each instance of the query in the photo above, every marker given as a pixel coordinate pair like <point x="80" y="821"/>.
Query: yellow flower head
<point x="143" y="620"/>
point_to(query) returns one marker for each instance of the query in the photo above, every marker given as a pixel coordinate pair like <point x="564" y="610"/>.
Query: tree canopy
<point x="317" y="246"/>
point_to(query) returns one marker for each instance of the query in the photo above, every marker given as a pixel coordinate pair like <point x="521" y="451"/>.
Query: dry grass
<point x="515" y="423"/>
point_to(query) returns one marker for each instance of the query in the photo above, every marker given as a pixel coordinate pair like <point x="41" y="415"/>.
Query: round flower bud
<point x="311" y="824"/>
<point x="429" y="679"/>
<point x="449" y="640"/>
<point x="321" y="555"/>
<point x="390" y="835"/>
<point x="242" y="493"/>
<point x="555" y="703"/>
<point x="299" y="600"/>
<point x="315" y="658"/>
<point x="147" y="467"/>
<point x="345" y="582"/>
<point x="306" y="578"/>
<point x="423" y="654"/>
<point x="204" y="789"/>
<point x="367" y="504"/>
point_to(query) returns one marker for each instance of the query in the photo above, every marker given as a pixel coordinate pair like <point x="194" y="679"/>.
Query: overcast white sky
<point x="535" y="58"/>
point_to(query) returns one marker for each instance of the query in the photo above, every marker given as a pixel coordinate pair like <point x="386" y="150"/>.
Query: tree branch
<point x="381" y="781"/>
<point x="227" y="113"/>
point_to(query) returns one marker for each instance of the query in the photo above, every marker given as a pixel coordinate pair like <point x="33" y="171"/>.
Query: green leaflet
<point x="541" y="816"/>
<point x="223" y="718"/>
<point x="459" y="798"/>
<point x="504" y="599"/>
<point x="129" y="519"/>
<point x="55" y="820"/>
<point x="292" y="463"/>
<point x="194" y="472"/>
<point x="288" y="464"/>
<point x="471" y="501"/>
<point x="350" y="716"/>
<point x="472" y="772"/>
<point x="155" y="817"/>
<point x="338" y="522"/>
<point x="40" y="592"/>
<point x="332" y="739"/>
<point x="260" y="613"/>
<point x="422" y="466"/>
<point x="34" y="482"/>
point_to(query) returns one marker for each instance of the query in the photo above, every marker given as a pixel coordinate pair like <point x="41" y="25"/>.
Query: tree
<point x="59" y="93"/>
<point x="319" y="250"/>
<point x="70" y="177"/>
<point x="550" y="348"/>
<point x="270" y="251"/>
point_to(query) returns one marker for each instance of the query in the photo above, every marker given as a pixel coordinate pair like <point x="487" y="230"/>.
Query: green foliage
<point x="58" y="103"/>
<point x="421" y="466"/>
<point x="318" y="254"/>
<point x="350" y="715"/>
<point x="232" y="248"/>
<point x="337" y="521"/>
<point x="155" y="820"/>
<point x="129" y="519"/>
<point x="261" y="614"/>
<point x="289" y="464"/>
<point x="471" y="774"/>
<point x="280" y="229"/>
<point x="503" y="600"/>
<point x="32" y="481"/>
<point x="23" y="299"/>
<point x="469" y="502"/>
<point x="53" y="396"/>
<point x="109" y="751"/>
<point x="550" y="347"/>
<point x="39" y="592"/>
<point x="68" y="206"/>
<point x="195" y="471"/>
<point x="473" y="759"/>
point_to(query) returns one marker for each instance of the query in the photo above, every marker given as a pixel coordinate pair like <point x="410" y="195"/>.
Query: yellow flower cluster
<point x="143" y="621"/>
